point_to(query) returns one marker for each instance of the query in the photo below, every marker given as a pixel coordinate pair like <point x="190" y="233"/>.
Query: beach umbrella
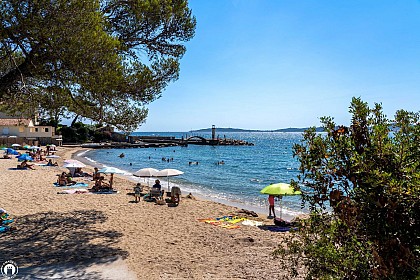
<point x="25" y="157"/>
<point x="26" y="147"/>
<point x="168" y="173"/>
<point x="112" y="171"/>
<point x="33" y="148"/>
<point x="72" y="165"/>
<point x="146" y="173"/>
<point x="280" y="189"/>
<point x="15" y="145"/>
<point x="71" y="160"/>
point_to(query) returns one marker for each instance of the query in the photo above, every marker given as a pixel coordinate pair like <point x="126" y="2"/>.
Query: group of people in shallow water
<point x="166" y="159"/>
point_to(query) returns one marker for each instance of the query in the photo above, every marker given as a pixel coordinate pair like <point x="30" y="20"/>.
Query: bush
<point x="361" y="184"/>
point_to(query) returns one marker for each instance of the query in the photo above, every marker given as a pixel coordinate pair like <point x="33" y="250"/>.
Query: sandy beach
<point x="94" y="236"/>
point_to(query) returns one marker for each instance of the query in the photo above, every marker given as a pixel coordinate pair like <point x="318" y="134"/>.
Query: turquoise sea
<point x="246" y="171"/>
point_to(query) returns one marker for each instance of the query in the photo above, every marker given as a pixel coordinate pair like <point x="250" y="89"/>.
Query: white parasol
<point x="146" y="173"/>
<point x="168" y="173"/>
<point x="112" y="171"/>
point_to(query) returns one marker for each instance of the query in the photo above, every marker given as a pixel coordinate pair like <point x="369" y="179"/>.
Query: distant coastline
<point x="225" y="129"/>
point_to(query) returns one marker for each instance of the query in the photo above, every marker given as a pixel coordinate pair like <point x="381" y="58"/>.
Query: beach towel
<point x="229" y="226"/>
<point x="4" y="229"/>
<point x="275" y="228"/>
<point x="74" y="191"/>
<point x="220" y="223"/>
<point x="252" y="223"/>
<point x="77" y="185"/>
<point x="105" y="192"/>
<point x="236" y="220"/>
<point x="231" y="219"/>
<point x="5" y="222"/>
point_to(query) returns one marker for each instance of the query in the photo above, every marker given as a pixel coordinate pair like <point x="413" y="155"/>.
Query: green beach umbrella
<point x="279" y="189"/>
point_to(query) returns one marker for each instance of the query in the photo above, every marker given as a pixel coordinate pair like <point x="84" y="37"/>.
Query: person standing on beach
<point x="137" y="192"/>
<point x="271" y="207"/>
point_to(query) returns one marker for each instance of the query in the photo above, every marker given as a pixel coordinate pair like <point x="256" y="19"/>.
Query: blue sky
<point x="269" y="64"/>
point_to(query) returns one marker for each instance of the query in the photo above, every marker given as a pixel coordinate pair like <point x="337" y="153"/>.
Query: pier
<point x="160" y="142"/>
<point x="167" y="141"/>
<point x="191" y="140"/>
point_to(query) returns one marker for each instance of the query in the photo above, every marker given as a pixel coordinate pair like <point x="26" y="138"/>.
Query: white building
<point x="24" y="131"/>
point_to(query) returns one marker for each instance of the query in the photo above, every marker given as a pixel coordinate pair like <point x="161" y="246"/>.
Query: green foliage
<point x="361" y="185"/>
<point x="104" y="60"/>
<point x="75" y="134"/>
<point x="81" y="133"/>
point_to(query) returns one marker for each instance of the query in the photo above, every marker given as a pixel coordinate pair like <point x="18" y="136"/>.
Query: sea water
<point x="246" y="169"/>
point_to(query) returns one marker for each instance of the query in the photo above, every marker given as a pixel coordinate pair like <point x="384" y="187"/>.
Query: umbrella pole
<point x="281" y="207"/>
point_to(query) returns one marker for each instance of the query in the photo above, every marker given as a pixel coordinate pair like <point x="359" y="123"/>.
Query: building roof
<point x="16" y="122"/>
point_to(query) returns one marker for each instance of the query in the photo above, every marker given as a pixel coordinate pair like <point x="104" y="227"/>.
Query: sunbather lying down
<point x="25" y="165"/>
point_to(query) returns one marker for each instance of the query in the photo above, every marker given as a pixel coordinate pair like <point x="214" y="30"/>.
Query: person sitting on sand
<point x="62" y="179"/>
<point x="78" y="172"/>
<point x="190" y="196"/>
<point x="25" y="164"/>
<point x="158" y="186"/>
<point x="96" y="175"/>
<point x="100" y="184"/>
<point x="50" y="163"/>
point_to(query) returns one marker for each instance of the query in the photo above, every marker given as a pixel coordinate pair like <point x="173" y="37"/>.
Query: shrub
<point x="361" y="185"/>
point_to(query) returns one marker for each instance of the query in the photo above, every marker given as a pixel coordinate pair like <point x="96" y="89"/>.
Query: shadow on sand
<point x="50" y="242"/>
